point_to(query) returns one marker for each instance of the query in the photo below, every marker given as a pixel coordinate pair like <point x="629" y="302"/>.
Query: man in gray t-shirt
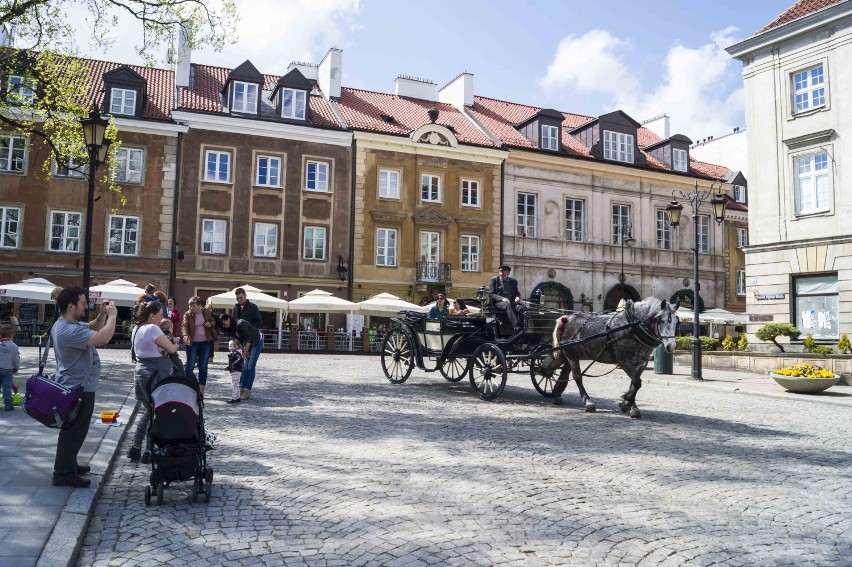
<point x="77" y="363"/>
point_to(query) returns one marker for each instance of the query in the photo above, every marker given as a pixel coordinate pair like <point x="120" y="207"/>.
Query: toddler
<point x="167" y="327"/>
<point x="235" y="367"/>
<point x="10" y="361"/>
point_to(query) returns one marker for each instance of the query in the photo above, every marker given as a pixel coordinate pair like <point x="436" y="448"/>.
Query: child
<point x="235" y="367"/>
<point x="10" y="361"/>
<point x="167" y="328"/>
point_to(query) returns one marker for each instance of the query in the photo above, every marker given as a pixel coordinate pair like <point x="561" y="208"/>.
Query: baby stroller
<point x="177" y="439"/>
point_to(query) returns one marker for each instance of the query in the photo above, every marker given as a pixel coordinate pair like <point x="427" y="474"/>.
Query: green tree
<point x="772" y="331"/>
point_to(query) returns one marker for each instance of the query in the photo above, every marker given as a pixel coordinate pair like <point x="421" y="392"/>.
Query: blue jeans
<point x="6" y="379"/>
<point x="249" y="366"/>
<point x="198" y="351"/>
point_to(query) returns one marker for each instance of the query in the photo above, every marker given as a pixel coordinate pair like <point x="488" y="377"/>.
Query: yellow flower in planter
<point x="805" y="370"/>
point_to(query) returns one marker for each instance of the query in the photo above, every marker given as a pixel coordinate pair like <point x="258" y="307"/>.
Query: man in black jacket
<point x="505" y="294"/>
<point x="245" y="309"/>
<point x="252" y="343"/>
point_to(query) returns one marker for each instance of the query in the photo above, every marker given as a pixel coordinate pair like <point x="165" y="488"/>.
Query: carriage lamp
<point x="97" y="146"/>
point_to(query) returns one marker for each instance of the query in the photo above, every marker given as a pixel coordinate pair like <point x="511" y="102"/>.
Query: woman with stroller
<point x="151" y="349"/>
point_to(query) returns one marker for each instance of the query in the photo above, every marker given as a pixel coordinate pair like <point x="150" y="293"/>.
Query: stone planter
<point x="804" y="385"/>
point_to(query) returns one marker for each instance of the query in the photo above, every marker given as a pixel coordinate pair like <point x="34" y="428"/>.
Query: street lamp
<point x="673" y="212"/>
<point x="625" y="237"/>
<point x="97" y="146"/>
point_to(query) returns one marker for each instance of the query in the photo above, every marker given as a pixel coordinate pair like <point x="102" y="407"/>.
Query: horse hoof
<point x="557" y="401"/>
<point x="591" y="408"/>
<point x="635" y="413"/>
<point x="624" y="406"/>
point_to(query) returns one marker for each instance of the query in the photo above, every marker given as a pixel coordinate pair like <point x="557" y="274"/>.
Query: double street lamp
<point x="97" y="146"/>
<point x="625" y="237"/>
<point x="673" y="212"/>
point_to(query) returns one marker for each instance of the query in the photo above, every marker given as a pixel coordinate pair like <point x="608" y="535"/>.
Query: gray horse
<point x="650" y="322"/>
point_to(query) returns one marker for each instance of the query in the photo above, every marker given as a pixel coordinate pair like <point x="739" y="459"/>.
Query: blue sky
<point x="588" y="57"/>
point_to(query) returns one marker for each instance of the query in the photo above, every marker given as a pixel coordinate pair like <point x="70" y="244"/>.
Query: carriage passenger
<point x="440" y="309"/>
<point x="459" y="308"/>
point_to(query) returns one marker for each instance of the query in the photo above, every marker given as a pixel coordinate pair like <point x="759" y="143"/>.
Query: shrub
<point x="772" y="331"/>
<point x="844" y="345"/>
<point x="742" y="344"/>
<point x="809" y="343"/>
<point x="805" y="370"/>
<point x="822" y="350"/>
<point x="685" y="343"/>
<point x="728" y="343"/>
<point x="709" y="343"/>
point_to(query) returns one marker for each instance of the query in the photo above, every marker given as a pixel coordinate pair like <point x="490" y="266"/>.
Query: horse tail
<point x="550" y="361"/>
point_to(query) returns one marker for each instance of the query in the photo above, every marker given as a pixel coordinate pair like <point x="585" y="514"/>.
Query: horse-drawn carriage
<point x="486" y="347"/>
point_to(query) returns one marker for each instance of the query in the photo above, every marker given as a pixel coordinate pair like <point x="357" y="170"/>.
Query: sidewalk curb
<point x="66" y="539"/>
<point x="733" y="388"/>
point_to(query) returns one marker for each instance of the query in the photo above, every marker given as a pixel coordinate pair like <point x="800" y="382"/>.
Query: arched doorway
<point x="553" y="294"/>
<point x="614" y="295"/>
<point x="685" y="297"/>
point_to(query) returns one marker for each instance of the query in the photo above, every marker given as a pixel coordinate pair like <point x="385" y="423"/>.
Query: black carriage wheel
<point x="195" y="486"/>
<point x="207" y="490"/>
<point x="147" y="496"/>
<point x="488" y="371"/>
<point x="397" y="356"/>
<point x="454" y="369"/>
<point x="543" y="384"/>
<point x="159" y="494"/>
<point x="208" y="475"/>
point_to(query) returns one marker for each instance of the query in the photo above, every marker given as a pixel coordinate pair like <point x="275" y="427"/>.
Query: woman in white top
<point x="152" y="349"/>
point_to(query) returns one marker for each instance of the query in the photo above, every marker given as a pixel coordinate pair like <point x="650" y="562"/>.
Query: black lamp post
<point x="97" y="146"/>
<point x="673" y="212"/>
<point x="625" y="237"/>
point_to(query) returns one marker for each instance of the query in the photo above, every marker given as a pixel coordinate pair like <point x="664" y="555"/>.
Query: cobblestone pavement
<point x="329" y="464"/>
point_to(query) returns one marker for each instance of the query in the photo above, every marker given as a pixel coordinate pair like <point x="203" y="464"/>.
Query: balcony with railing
<point x="434" y="272"/>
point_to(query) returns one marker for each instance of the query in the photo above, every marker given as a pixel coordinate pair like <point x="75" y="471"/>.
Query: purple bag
<point x="53" y="405"/>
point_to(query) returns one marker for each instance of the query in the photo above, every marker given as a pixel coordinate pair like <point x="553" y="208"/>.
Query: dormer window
<point x="549" y="138"/>
<point x="20" y="90"/>
<point x="122" y="101"/>
<point x="680" y="160"/>
<point x="245" y="97"/>
<point x="618" y="146"/>
<point x="293" y="104"/>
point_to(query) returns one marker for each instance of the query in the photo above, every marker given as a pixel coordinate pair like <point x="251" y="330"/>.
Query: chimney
<point x="659" y="125"/>
<point x="414" y="87"/>
<point x="459" y="91"/>
<point x="309" y="70"/>
<point x="183" y="60"/>
<point x="329" y="73"/>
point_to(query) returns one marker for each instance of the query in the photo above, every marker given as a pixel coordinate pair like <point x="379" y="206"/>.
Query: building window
<point x="70" y="168"/>
<point x="741" y="283"/>
<point x="430" y="188"/>
<point x="618" y="147"/>
<point x="269" y="171"/>
<point x="664" y="231"/>
<point x="10" y="218"/>
<point x="218" y="166"/>
<point x="742" y="237"/>
<point x="213" y="236"/>
<point x="704" y="234"/>
<point x="314" y="243"/>
<point x="386" y="247"/>
<point x="469" y="193"/>
<point x="526" y="224"/>
<point x="129" y="168"/>
<point x="430" y="247"/>
<point x="122" y="101"/>
<point x="812" y="183"/>
<point x="817" y="305"/>
<point x="65" y="231"/>
<point x="317" y="178"/>
<point x="123" y="235"/>
<point x="13" y="153"/>
<point x="20" y="90"/>
<point x="293" y="104"/>
<point x="809" y="89"/>
<point x="265" y="239"/>
<point x="469" y="253"/>
<point x="388" y="184"/>
<point x="740" y="194"/>
<point x="574" y="220"/>
<point x="549" y="138"/>
<point x="245" y="97"/>
<point x="680" y="160"/>
<point x="620" y="219"/>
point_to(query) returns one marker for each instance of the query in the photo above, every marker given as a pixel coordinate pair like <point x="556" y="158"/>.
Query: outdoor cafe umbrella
<point x="319" y="301"/>
<point x="33" y="290"/>
<point x="385" y="304"/>
<point x="122" y="292"/>
<point x="264" y="302"/>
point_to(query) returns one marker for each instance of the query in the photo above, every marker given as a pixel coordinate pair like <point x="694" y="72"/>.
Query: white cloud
<point x="695" y="91"/>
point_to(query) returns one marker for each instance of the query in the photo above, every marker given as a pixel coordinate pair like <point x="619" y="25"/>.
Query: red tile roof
<point x="371" y="111"/>
<point x="709" y="169"/>
<point x="798" y="10"/>
<point x="160" y="86"/>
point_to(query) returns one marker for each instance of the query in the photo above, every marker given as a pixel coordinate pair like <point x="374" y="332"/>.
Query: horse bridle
<point x="646" y="336"/>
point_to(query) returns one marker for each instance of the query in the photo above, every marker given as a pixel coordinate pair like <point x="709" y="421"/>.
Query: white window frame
<point x="386" y="247"/>
<point x="470" y="246"/>
<point x="526" y="214"/>
<point x="430" y="246"/>
<point x="214" y="236"/>
<point x="739" y="193"/>
<point x="268" y="181"/>
<point x="221" y="159"/>
<point x="129" y="244"/>
<point x="705" y="246"/>
<point x="470" y="193"/>
<point x="389" y="184"/>
<point x="247" y="103"/>
<point x="549" y="137"/>
<point x="298" y="103"/>
<point x="13" y="154"/>
<point x="321" y="180"/>
<point x="575" y="228"/>
<point x="742" y="237"/>
<point x="122" y="101"/>
<point x="741" y="283"/>
<point x="70" y="169"/>
<point x="68" y="241"/>
<point x="812" y="176"/>
<point x="309" y="253"/>
<point x="21" y="89"/>
<point x="680" y="160"/>
<point x="622" y="215"/>
<point x="430" y="188"/>
<point x="809" y="89"/>
<point x="126" y="174"/>
<point x="665" y="234"/>
<point x="10" y="229"/>
<point x="618" y="146"/>
<point x="265" y="240"/>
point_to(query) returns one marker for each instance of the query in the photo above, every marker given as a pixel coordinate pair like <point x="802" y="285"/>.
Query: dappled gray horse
<point x="653" y="321"/>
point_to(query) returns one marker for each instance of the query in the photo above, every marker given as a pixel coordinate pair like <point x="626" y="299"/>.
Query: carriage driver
<point x="505" y="294"/>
